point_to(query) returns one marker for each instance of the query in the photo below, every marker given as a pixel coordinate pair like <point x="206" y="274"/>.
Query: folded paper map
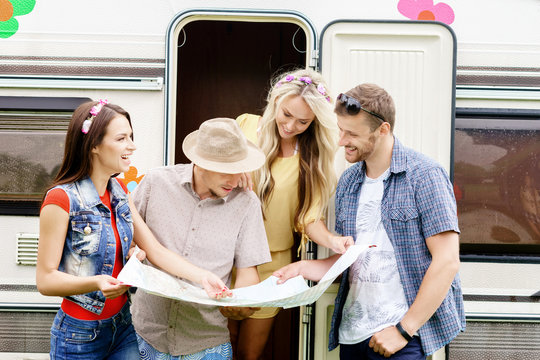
<point x="294" y="292"/>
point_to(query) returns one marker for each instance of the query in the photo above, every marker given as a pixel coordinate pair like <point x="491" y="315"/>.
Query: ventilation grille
<point x="497" y="341"/>
<point x="27" y="249"/>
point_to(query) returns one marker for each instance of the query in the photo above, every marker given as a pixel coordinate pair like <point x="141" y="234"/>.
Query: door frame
<point x="185" y="17"/>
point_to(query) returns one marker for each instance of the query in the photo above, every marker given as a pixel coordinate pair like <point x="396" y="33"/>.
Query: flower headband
<point x="307" y="81"/>
<point x="93" y="113"/>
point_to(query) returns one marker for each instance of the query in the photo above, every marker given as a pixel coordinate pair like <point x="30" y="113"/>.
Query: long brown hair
<point x="77" y="162"/>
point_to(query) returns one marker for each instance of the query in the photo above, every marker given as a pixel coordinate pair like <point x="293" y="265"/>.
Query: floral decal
<point x="426" y="10"/>
<point x="131" y="179"/>
<point x="8" y="10"/>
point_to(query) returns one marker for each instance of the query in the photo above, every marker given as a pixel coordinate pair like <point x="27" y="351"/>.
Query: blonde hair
<point x="316" y="145"/>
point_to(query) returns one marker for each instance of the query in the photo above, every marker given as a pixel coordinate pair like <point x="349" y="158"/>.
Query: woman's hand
<point x="139" y="253"/>
<point x="110" y="287"/>
<point x="214" y="287"/>
<point x="318" y="232"/>
<point x="288" y="271"/>
<point x="245" y="182"/>
<point x="340" y="244"/>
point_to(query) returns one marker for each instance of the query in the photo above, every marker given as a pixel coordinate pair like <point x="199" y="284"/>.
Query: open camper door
<point x="416" y="63"/>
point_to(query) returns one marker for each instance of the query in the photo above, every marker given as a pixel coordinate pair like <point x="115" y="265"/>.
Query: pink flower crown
<point x="307" y="81"/>
<point x="94" y="111"/>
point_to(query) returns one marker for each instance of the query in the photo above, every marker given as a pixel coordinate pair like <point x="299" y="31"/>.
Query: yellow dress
<point x="279" y="211"/>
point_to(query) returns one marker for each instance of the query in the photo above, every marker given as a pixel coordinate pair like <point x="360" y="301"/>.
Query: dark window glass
<point x="32" y="136"/>
<point x="497" y="182"/>
<point x="31" y="150"/>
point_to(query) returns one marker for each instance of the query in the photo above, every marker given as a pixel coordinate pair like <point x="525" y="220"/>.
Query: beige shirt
<point x="215" y="234"/>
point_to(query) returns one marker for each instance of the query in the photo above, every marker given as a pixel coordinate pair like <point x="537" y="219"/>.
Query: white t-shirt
<point x="376" y="298"/>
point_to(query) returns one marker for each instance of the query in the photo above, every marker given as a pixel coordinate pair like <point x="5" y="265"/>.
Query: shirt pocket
<point x="86" y="233"/>
<point x="124" y="213"/>
<point x="405" y="223"/>
<point x="403" y="214"/>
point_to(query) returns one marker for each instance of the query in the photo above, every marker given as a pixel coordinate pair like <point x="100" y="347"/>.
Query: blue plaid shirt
<point x="418" y="202"/>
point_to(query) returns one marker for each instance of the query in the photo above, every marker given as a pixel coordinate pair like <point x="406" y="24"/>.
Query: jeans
<point x="111" y="339"/>
<point x="362" y="351"/>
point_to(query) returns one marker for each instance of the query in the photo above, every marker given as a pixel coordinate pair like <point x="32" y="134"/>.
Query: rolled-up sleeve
<point x="436" y="203"/>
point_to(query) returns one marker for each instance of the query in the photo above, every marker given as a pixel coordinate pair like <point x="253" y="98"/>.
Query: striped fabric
<point x="418" y="202"/>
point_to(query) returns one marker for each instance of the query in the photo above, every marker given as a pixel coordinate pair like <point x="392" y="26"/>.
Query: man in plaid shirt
<point x="402" y="298"/>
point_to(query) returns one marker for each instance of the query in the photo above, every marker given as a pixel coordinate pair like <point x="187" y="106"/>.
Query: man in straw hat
<point x="199" y="211"/>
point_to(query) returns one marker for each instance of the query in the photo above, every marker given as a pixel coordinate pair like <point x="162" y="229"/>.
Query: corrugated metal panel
<point x="497" y="341"/>
<point x="25" y="332"/>
<point x="27" y="249"/>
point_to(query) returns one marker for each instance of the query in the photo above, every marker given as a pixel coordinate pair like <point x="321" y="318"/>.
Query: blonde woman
<point x="298" y="134"/>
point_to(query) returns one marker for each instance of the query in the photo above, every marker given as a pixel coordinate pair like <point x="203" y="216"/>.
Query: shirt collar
<point x="89" y="195"/>
<point x="398" y="163"/>
<point x="399" y="158"/>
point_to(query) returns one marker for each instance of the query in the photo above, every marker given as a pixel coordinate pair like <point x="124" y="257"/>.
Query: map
<point x="294" y="292"/>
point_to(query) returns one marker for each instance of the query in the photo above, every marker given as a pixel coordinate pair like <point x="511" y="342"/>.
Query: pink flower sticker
<point x="426" y="10"/>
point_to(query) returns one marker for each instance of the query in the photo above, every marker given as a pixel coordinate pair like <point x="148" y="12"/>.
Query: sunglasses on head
<point x="353" y="106"/>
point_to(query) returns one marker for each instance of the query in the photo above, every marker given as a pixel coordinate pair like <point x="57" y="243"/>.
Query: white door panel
<point x="413" y="61"/>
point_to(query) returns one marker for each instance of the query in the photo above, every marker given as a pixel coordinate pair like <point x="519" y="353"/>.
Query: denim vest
<point x="90" y="246"/>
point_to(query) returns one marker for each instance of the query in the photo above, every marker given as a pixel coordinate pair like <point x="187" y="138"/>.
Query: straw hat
<point x="219" y="145"/>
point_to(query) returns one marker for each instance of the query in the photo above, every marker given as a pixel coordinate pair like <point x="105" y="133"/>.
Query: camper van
<point x="465" y="76"/>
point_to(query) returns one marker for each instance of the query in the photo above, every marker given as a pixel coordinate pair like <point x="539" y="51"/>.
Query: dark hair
<point x="77" y="162"/>
<point x="374" y="98"/>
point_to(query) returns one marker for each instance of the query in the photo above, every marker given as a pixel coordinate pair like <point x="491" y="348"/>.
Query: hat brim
<point x="254" y="159"/>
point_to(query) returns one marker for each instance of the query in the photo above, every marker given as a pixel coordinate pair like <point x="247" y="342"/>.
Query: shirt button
<point x="193" y="229"/>
<point x="125" y="238"/>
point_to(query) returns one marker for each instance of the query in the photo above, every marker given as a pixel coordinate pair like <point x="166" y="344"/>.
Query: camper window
<point x="32" y="134"/>
<point x="497" y="181"/>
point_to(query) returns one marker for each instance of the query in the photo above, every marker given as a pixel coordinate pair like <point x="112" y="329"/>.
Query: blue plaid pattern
<point x="418" y="202"/>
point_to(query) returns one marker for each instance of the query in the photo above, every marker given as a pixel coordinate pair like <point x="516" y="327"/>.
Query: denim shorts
<point x="220" y="352"/>
<point x="112" y="338"/>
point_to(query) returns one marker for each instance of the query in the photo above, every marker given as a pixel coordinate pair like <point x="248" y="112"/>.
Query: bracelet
<point x="403" y="332"/>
